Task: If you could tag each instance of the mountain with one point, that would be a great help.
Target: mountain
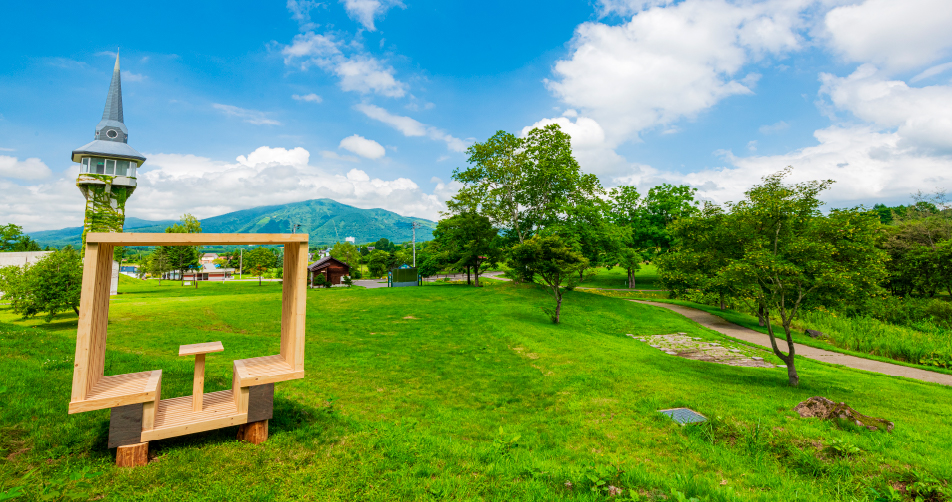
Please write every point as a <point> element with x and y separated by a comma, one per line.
<point>326,221</point>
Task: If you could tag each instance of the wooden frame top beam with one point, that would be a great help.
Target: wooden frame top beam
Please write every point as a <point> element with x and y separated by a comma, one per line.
<point>169,239</point>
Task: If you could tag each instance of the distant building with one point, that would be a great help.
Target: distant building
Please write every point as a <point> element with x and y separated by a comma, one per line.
<point>350,240</point>
<point>207,273</point>
<point>331,268</point>
<point>208,258</point>
<point>21,258</point>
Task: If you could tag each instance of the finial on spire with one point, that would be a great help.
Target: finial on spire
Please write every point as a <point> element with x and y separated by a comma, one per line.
<point>113,109</point>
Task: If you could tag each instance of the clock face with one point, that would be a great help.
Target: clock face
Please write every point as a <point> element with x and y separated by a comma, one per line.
<point>112,133</point>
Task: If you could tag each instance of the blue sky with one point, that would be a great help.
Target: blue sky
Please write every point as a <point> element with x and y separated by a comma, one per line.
<point>373,102</point>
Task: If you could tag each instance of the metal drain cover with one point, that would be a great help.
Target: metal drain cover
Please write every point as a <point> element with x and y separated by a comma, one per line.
<point>684,415</point>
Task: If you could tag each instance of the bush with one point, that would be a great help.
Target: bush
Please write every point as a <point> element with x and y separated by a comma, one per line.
<point>356,274</point>
<point>51,285</point>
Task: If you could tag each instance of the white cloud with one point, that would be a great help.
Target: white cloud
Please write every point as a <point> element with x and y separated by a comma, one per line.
<point>867,165</point>
<point>364,11</point>
<point>128,76</point>
<point>411,127</point>
<point>360,73</point>
<point>301,9</point>
<point>173,184</point>
<point>898,34</point>
<point>922,117</point>
<point>27,169</point>
<point>773,128</point>
<point>670,63</point>
<point>249,116</point>
<point>7,149</point>
<point>310,98</point>
<point>931,72</point>
<point>365,74</point>
<point>585,132</point>
<point>366,148</point>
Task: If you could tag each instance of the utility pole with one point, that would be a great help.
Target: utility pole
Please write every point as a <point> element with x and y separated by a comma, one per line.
<point>241,261</point>
<point>415,225</point>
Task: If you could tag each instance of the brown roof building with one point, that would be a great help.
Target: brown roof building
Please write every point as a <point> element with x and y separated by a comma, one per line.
<point>332,269</point>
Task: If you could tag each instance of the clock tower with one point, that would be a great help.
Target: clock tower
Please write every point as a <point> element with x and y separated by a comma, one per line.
<point>107,173</point>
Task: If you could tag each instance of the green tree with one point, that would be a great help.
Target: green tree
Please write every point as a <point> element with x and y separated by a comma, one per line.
<point>704,246</point>
<point>13,239</point>
<point>469,240</point>
<point>51,285</point>
<point>378,262</point>
<point>590,225</point>
<point>158,263</point>
<point>791,252</point>
<point>259,260</point>
<point>523,185</point>
<point>183,258</point>
<point>347,253</point>
<point>554,261</point>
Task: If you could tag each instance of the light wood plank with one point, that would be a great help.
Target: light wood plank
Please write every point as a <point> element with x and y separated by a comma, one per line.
<point>133,455</point>
<point>200,348</point>
<point>84,328</point>
<point>198,383</point>
<point>181,430</point>
<point>163,239</point>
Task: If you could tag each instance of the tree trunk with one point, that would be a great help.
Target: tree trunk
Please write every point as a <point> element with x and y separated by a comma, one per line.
<point>631,278</point>
<point>558,308</point>
<point>788,358</point>
<point>476,273</point>
<point>760,314</point>
<point>722,300</point>
<point>468,282</point>
<point>259,280</point>
<point>76,309</point>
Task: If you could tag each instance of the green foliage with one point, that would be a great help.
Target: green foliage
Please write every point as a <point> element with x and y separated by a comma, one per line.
<point>259,260</point>
<point>523,184</point>
<point>49,286</point>
<point>465,241</point>
<point>347,253</point>
<point>13,239</point>
<point>105,206</point>
<point>401,409</point>
<point>378,262</point>
<point>347,281</point>
<point>776,246</point>
<point>554,261</point>
<point>320,280</point>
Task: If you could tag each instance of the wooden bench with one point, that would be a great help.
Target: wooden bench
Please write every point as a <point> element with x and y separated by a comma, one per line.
<point>120,390</point>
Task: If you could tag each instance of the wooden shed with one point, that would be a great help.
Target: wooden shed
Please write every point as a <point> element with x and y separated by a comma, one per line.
<point>332,269</point>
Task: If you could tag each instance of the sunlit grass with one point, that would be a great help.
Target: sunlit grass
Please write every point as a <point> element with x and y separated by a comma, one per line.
<point>457,393</point>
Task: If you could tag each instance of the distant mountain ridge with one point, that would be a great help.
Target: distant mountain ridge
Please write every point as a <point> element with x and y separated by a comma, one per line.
<point>326,221</point>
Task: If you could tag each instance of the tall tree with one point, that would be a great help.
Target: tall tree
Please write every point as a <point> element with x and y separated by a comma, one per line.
<point>523,184</point>
<point>554,261</point>
<point>468,239</point>
<point>792,252</point>
<point>183,258</point>
<point>12,238</point>
<point>259,260</point>
<point>347,253</point>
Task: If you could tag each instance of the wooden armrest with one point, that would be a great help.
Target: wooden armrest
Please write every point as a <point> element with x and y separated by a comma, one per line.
<point>120,390</point>
<point>264,370</point>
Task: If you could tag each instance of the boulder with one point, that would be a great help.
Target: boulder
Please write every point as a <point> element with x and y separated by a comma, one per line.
<point>823,408</point>
<point>812,333</point>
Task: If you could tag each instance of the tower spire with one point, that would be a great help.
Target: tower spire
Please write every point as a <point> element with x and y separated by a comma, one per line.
<point>113,109</point>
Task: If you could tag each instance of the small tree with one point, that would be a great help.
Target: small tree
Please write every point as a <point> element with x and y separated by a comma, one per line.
<point>470,240</point>
<point>51,285</point>
<point>346,280</point>
<point>259,260</point>
<point>554,261</point>
<point>12,238</point>
<point>159,263</point>
<point>791,252</point>
<point>378,262</point>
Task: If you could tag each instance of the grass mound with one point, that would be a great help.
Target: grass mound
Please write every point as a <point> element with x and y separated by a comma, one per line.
<point>459,393</point>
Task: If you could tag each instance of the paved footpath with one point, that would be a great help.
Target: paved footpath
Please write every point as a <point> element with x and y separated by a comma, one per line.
<point>748,335</point>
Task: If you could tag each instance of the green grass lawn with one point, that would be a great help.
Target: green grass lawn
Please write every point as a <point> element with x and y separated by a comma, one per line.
<point>617,277</point>
<point>457,393</point>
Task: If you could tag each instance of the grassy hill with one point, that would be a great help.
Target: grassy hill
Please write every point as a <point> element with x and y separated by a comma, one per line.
<point>460,393</point>
<point>325,220</point>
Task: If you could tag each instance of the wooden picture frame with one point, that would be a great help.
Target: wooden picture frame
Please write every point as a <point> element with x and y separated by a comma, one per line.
<point>139,412</point>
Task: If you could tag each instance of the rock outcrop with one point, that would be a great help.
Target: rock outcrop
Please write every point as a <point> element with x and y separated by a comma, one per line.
<point>823,408</point>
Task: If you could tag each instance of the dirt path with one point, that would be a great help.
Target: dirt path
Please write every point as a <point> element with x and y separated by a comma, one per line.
<point>748,335</point>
